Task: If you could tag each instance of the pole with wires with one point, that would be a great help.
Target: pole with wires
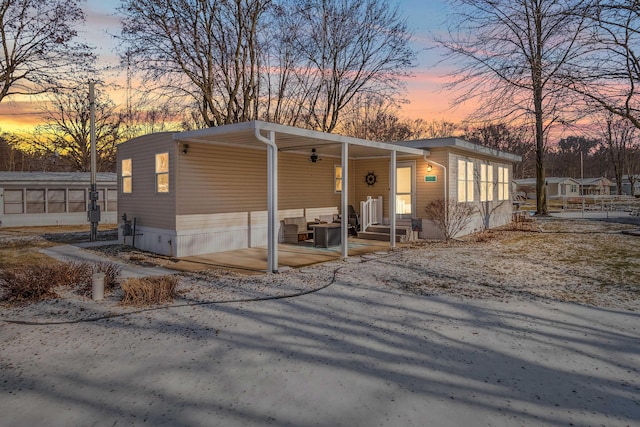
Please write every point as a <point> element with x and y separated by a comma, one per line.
<point>93,213</point>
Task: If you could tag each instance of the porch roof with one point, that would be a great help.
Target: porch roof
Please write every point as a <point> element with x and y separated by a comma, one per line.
<point>293,139</point>
<point>461,144</point>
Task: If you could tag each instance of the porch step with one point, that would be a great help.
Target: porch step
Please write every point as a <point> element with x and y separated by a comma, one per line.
<point>368,235</point>
<point>383,233</point>
<point>387,230</point>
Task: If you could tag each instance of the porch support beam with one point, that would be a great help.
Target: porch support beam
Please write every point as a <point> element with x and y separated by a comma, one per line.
<point>344,223</point>
<point>272,199</point>
<point>392,199</point>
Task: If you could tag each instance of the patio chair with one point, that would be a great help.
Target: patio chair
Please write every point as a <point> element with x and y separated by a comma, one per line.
<point>296,230</point>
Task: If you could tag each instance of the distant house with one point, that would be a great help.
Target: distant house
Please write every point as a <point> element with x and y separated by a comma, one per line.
<point>626,186</point>
<point>556,187</point>
<point>229,187</point>
<point>54,198</point>
<point>596,186</point>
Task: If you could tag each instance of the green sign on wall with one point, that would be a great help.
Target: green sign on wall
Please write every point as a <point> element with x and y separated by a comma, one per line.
<point>430,178</point>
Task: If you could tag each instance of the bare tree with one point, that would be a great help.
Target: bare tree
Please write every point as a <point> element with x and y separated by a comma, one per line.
<point>202,50</point>
<point>286,83</point>
<point>349,47</point>
<point>633,166</point>
<point>375,118</point>
<point>67,131</point>
<point>618,139</point>
<point>609,76</point>
<point>511,139</point>
<point>436,128</point>
<point>512,54</point>
<point>9,151</point>
<point>39,49</point>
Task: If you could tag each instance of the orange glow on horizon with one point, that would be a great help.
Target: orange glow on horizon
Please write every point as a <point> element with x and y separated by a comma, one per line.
<point>426,100</point>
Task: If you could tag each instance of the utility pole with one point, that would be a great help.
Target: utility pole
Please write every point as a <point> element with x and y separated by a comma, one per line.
<point>582,181</point>
<point>93,215</point>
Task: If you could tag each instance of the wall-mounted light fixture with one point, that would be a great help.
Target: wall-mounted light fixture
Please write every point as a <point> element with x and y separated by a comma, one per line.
<point>429,167</point>
<point>185,148</point>
<point>314,156</point>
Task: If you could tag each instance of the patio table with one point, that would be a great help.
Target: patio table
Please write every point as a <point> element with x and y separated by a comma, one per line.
<point>325,235</point>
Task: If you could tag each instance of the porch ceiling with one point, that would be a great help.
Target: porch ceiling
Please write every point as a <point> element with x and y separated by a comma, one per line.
<point>293,139</point>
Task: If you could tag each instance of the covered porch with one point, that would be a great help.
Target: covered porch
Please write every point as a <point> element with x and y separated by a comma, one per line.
<point>255,260</point>
<point>277,141</point>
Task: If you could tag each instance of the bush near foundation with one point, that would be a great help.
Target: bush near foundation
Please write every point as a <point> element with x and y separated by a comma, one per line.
<point>149,290</point>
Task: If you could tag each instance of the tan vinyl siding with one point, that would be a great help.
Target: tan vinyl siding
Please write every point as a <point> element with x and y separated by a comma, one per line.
<point>306,184</point>
<point>381,188</point>
<point>144,203</point>
<point>429,191</point>
<point>221,179</point>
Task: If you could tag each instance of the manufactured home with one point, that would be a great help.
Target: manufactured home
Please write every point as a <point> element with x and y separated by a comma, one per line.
<point>232,187</point>
<point>54,198</point>
<point>557,187</point>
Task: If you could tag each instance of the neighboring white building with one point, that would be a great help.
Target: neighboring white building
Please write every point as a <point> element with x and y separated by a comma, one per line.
<point>556,187</point>
<point>54,198</point>
<point>626,186</point>
<point>596,186</point>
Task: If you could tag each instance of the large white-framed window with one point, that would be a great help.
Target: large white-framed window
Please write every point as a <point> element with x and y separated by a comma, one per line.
<point>162,172</point>
<point>465,181</point>
<point>486,183</point>
<point>127,176</point>
<point>503,183</point>
<point>337,179</point>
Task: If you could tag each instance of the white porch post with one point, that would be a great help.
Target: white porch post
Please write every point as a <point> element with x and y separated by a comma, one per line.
<point>392,199</point>
<point>272,199</point>
<point>344,227</point>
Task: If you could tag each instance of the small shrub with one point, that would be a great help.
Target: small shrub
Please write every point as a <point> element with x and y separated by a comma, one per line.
<point>28,284</point>
<point>69,274</point>
<point>450,216</point>
<point>149,290</point>
<point>483,236</point>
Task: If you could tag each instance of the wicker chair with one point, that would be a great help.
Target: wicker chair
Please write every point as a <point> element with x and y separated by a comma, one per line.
<point>296,230</point>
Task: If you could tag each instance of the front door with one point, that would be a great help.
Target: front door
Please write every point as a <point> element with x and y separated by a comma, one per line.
<point>405,190</point>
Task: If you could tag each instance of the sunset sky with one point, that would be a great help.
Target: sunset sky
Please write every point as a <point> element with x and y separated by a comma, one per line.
<point>427,100</point>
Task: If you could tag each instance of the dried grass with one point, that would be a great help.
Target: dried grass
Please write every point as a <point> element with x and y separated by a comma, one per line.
<point>28,284</point>
<point>149,290</point>
<point>33,283</point>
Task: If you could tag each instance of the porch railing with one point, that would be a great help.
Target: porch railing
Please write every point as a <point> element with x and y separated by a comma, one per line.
<point>370,212</point>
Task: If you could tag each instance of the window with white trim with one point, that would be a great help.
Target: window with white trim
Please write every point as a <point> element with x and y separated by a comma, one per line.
<point>503,183</point>
<point>465,181</point>
<point>162,173</point>
<point>13,202</point>
<point>56,200</point>
<point>127,176</point>
<point>486,183</point>
<point>35,200</point>
<point>337,175</point>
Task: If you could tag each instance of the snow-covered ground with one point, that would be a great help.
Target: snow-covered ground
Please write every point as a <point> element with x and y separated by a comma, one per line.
<point>509,328</point>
